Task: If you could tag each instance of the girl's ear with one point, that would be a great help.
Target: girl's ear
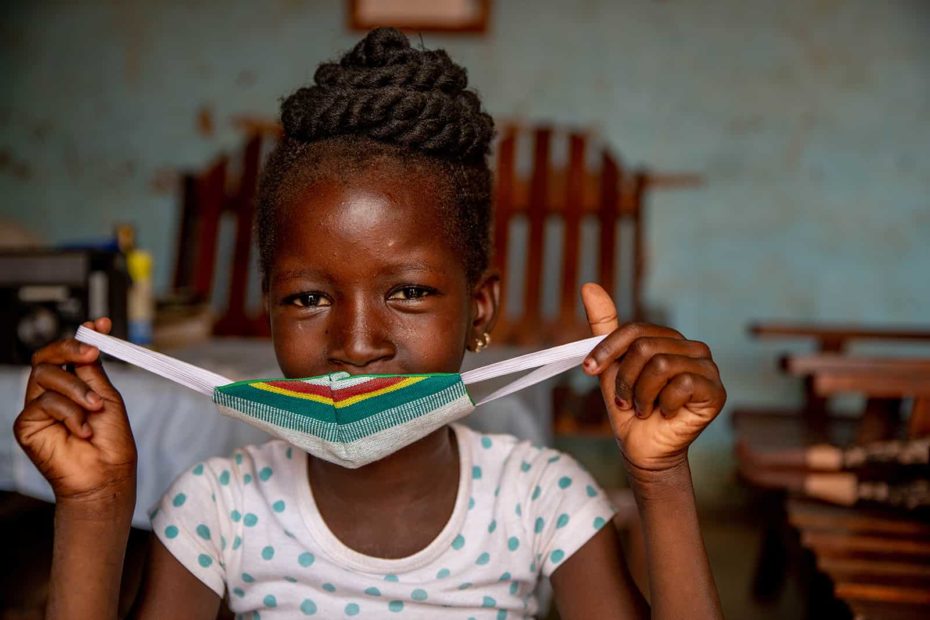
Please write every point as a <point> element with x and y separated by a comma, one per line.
<point>485,302</point>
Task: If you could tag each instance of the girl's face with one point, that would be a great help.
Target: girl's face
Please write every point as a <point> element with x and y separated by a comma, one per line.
<point>364,281</point>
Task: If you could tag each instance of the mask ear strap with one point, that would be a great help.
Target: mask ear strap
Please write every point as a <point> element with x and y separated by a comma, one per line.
<point>548,363</point>
<point>188,375</point>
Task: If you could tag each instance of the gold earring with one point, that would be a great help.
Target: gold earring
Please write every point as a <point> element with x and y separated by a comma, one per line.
<point>482,342</point>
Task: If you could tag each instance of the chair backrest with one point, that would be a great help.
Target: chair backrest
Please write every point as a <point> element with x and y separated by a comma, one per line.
<point>535,190</point>
<point>589,192</point>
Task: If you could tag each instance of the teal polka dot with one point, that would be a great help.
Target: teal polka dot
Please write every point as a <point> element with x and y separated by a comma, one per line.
<point>247,578</point>
<point>493,526</point>
<point>198,470</point>
<point>390,577</point>
<point>518,510</point>
<point>265,474</point>
<point>256,616</point>
<point>419,594</point>
<point>514,586</point>
<point>553,459</point>
<point>278,506</point>
<point>239,592</point>
<point>308,607</point>
<point>513,543</point>
<point>497,491</point>
<point>536,492</point>
<point>329,587</point>
<point>532,567</point>
<point>238,458</point>
<point>268,552</point>
<point>154,512</point>
<point>213,497</point>
<point>459,542</point>
<point>562,521</point>
<point>179,500</point>
<point>222,542</point>
<point>289,453</point>
<point>524,467</point>
<point>565,482</point>
<point>504,577</point>
<point>476,472</point>
<point>471,503</point>
<point>305,559</point>
<point>171,531</point>
<point>235,515</point>
<point>203,531</point>
<point>224,477</point>
<point>465,585</point>
<point>246,479</point>
<point>204,560</point>
<point>237,542</point>
<point>249,520</point>
<point>483,559</point>
<point>270,601</point>
<point>599,522</point>
<point>488,602</point>
<point>591,491</point>
<point>556,556</point>
<point>290,580</point>
<point>352,609</point>
<point>443,573</point>
<point>539,525</point>
<point>396,606</point>
<point>501,614</point>
<point>372,591</point>
<point>485,442</point>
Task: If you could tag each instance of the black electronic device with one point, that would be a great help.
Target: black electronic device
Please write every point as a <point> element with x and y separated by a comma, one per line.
<point>46,294</point>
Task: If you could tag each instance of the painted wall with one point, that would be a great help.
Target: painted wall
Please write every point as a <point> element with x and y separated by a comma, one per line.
<point>810,122</point>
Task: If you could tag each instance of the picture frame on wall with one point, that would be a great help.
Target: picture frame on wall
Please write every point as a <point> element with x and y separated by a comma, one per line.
<point>447,16</point>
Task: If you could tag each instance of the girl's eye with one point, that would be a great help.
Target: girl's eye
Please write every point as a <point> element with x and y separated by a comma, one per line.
<point>308,300</point>
<point>406,293</point>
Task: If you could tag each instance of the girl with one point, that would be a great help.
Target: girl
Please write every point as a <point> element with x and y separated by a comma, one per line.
<point>373,227</point>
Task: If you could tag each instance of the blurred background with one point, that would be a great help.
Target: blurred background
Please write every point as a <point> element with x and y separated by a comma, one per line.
<point>770,159</point>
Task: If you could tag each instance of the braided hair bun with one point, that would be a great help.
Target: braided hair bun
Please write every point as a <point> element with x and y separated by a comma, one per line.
<point>388,91</point>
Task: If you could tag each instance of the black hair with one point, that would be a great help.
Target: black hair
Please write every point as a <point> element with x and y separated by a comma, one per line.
<point>385,102</point>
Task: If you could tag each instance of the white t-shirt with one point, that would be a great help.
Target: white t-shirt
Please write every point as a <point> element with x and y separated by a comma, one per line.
<point>248,526</point>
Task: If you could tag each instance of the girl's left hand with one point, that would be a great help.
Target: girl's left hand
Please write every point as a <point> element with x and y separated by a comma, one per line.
<point>660,389</point>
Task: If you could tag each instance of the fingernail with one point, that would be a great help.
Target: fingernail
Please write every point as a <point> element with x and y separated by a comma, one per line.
<point>83,348</point>
<point>590,364</point>
<point>93,398</point>
<point>621,403</point>
<point>85,428</point>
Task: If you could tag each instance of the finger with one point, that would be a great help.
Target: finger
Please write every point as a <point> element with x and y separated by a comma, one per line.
<point>617,343</point>
<point>600,309</point>
<point>658,372</point>
<point>62,409</point>
<point>641,351</point>
<point>66,351</point>
<point>676,394</point>
<point>54,379</point>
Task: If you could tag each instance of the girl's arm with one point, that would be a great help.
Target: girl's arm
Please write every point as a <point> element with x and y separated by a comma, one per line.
<point>661,390</point>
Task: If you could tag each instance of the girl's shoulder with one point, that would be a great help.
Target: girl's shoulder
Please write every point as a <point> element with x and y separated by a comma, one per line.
<point>521,463</point>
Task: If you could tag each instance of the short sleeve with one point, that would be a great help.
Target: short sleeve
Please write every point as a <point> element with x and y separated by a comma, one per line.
<point>187,521</point>
<point>566,509</point>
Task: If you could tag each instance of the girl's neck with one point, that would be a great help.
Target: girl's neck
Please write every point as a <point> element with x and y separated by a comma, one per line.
<point>408,474</point>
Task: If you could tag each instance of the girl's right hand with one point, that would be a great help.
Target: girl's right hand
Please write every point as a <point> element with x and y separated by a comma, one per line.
<point>74,425</point>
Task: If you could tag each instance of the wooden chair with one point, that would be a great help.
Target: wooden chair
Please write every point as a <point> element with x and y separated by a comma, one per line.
<point>567,192</point>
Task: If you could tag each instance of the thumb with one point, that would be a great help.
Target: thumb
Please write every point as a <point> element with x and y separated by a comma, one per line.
<point>600,309</point>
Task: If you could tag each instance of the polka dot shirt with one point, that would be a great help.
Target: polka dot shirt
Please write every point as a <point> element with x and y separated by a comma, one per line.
<point>248,528</point>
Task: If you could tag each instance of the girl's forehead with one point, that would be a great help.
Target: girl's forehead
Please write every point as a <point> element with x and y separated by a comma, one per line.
<point>367,223</point>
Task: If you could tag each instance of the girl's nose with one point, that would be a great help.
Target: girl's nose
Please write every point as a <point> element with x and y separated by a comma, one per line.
<point>359,336</point>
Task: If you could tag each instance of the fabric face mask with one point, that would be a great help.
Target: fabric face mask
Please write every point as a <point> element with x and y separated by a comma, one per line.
<point>349,420</point>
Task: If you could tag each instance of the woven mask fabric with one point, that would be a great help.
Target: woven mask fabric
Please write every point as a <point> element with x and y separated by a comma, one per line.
<point>350,420</point>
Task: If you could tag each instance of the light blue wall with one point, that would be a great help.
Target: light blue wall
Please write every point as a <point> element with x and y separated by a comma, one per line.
<point>810,122</point>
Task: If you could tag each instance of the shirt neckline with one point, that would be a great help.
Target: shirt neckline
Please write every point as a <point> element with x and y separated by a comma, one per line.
<point>350,558</point>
